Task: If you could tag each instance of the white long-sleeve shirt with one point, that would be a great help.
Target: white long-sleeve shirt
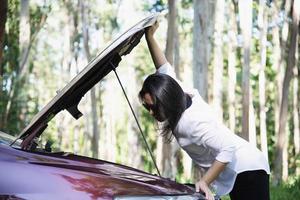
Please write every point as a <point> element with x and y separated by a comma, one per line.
<point>205,140</point>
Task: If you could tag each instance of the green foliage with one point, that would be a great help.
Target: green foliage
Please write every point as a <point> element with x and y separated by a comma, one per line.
<point>38,15</point>
<point>226,197</point>
<point>11,43</point>
<point>15,111</point>
<point>186,4</point>
<point>286,191</point>
<point>155,5</point>
<point>180,169</point>
<point>50,136</point>
<point>106,20</point>
<point>10,66</point>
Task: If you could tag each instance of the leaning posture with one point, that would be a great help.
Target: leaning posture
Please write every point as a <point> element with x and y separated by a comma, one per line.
<point>232,165</point>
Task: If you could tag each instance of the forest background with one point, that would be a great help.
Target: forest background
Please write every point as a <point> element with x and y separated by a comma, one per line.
<point>242,56</point>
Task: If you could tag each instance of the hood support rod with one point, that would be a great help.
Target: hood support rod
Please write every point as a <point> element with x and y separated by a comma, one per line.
<point>138,124</point>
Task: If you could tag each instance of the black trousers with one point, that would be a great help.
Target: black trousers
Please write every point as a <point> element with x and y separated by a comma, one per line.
<point>251,185</point>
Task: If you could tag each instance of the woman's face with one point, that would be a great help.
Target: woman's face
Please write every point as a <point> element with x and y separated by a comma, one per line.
<point>152,108</point>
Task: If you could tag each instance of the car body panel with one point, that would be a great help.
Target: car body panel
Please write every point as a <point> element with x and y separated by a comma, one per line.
<point>28,174</point>
<point>80,177</point>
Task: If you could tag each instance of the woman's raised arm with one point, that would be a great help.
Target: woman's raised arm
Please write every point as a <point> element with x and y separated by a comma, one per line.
<point>157,54</point>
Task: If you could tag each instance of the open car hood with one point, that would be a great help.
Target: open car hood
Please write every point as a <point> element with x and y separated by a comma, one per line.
<point>69,97</point>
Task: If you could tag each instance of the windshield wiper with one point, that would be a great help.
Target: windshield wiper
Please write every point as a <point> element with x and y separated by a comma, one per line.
<point>28,143</point>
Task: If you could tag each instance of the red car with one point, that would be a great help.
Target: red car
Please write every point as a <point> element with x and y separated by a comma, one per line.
<point>29,172</point>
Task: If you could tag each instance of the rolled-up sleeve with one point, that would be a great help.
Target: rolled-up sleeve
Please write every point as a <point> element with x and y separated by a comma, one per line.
<point>167,69</point>
<point>225,155</point>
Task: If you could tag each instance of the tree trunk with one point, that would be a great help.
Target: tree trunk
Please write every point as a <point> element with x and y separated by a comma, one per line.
<point>285,153</point>
<point>187,166</point>
<point>296,112</point>
<point>134,139</point>
<point>276,57</point>
<point>24,36</point>
<point>277,67</point>
<point>285,157</point>
<point>252,117</point>
<point>60,124</point>
<point>171,31</point>
<point>245,10</point>
<point>3,17</point>
<point>24,46</point>
<point>200,44</point>
<point>76,139</point>
<point>181,156</point>
<point>26,39</point>
<point>110,138</point>
<point>282,65</point>
<point>178,68</point>
<point>203,23</point>
<point>232,44</point>
<point>159,152</point>
<point>85,31</point>
<point>262,23</point>
<point>168,161</point>
<point>285,92</point>
<point>280,37</point>
<point>96,135</point>
<point>100,108</point>
<point>218,59</point>
<point>70,28</point>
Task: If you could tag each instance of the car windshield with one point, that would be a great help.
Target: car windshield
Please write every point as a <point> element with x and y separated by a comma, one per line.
<point>8,139</point>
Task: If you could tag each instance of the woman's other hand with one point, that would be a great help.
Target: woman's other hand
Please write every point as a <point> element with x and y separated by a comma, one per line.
<point>201,186</point>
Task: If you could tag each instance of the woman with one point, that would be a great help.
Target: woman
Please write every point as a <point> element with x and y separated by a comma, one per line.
<point>232,165</point>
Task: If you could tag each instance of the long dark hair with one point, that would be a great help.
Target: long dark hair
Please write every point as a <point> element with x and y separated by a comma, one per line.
<point>168,99</point>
